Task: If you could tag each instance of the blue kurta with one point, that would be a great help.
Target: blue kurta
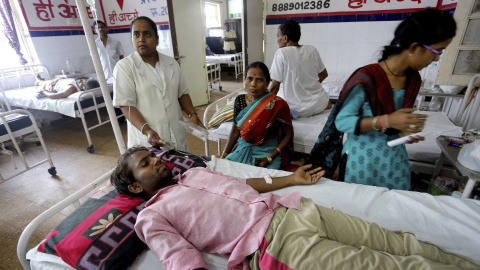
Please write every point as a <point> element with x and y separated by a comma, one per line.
<point>370,160</point>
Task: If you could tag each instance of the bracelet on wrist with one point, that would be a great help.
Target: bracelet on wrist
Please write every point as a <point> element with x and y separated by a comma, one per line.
<point>374,123</point>
<point>279,151</point>
<point>269,158</point>
<point>191,114</point>
<point>141,130</point>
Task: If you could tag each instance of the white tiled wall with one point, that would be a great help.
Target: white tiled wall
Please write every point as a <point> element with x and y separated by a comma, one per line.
<point>52,51</point>
<point>343,46</point>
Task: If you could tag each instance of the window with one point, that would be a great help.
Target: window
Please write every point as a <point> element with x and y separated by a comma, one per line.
<point>212,14</point>
<point>462,58</point>
<point>235,9</point>
<point>7,53</point>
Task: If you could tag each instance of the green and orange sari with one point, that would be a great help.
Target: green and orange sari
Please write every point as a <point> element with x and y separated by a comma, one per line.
<point>262,125</point>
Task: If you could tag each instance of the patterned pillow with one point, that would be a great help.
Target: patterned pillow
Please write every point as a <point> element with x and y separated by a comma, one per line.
<point>225,114</point>
<point>100,233</point>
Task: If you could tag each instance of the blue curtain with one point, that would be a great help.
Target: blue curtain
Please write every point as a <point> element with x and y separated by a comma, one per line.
<point>9,30</point>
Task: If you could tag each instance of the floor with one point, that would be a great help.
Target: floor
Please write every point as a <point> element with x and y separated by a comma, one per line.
<point>25,196</point>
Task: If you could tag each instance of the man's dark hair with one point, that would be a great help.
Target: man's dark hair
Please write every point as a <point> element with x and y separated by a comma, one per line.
<point>291,29</point>
<point>91,83</point>
<point>122,176</point>
<point>97,22</point>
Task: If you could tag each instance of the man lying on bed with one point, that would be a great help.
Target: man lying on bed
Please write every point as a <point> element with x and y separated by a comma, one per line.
<point>206,211</point>
<point>63,88</point>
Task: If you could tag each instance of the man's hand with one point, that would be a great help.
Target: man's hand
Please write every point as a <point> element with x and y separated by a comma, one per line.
<point>303,176</point>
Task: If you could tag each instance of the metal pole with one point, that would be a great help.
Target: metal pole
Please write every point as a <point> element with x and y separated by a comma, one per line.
<point>82,10</point>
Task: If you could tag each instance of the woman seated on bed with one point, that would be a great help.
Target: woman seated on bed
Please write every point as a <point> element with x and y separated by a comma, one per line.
<point>63,88</point>
<point>263,125</point>
<point>310,236</point>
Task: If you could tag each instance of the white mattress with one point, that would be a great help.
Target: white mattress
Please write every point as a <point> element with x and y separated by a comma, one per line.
<point>428,151</point>
<point>333,84</point>
<point>449,222</point>
<point>222,58</point>
<point>25,98</point>
<point>306,131</point>
<point>305,134</point>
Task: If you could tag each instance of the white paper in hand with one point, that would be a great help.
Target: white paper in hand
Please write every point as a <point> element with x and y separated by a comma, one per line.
<point>198,132</point>
<point>401,140</point>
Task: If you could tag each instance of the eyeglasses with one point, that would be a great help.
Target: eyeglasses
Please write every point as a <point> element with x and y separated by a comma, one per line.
<point>432,49</point>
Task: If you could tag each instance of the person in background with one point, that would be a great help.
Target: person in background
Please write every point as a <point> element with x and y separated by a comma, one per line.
<point>301,71</point>
<point>63,88</point>
<point>375,106</point>
<point>201,210</point>
<point>262,124</point>
<point>208,51</point>
<point>110,50</point>
<point>229,37</point>
<point>151,91</point>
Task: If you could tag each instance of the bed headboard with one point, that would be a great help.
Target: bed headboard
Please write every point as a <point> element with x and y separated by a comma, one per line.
<point>21,76</point>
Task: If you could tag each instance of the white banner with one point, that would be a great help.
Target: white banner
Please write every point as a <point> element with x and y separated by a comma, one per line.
<point>286,7</point>
<point>63,14</point>
<point>51,14</point>
<point>120,13</point>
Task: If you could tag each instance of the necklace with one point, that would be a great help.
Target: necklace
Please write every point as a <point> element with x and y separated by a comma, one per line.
<point>398,75</point>
<point>249,98</point>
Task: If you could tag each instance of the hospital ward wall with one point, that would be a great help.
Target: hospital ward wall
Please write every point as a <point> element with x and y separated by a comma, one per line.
<point>56,31</point>
<point>53,47</point>
<point>347,34</point>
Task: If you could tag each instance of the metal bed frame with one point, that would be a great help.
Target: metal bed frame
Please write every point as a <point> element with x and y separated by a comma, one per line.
<point>238,58</point>
<point>214,71</point>
<point>24,130</point>
<point>236,62</point>
<point>21,72</point>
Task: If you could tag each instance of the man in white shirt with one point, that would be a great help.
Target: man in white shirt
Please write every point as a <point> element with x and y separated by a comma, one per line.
<point>110,50</point>
<point>229,37</point>
<point>301,70</point>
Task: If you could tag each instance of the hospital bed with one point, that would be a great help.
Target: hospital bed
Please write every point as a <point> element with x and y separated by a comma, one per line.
<point>422,155</point>
<point>446,221</point>
<point>16,124</point>
<point>214,73</point>
<point>229,60</point>
<point>18,90</point>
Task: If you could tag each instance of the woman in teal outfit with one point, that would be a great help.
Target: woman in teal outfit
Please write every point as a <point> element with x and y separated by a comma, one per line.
<point>375,106</point>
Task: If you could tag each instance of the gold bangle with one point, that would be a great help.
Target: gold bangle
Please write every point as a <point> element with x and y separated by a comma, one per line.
<point>279,151</point>
<point>190,115</point>
<point>269,159</point>
<point>141,130</point>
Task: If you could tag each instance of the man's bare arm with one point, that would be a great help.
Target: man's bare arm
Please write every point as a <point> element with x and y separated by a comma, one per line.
<point>301,177</point>
<point>322,75</point>
<point>274,87</point>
